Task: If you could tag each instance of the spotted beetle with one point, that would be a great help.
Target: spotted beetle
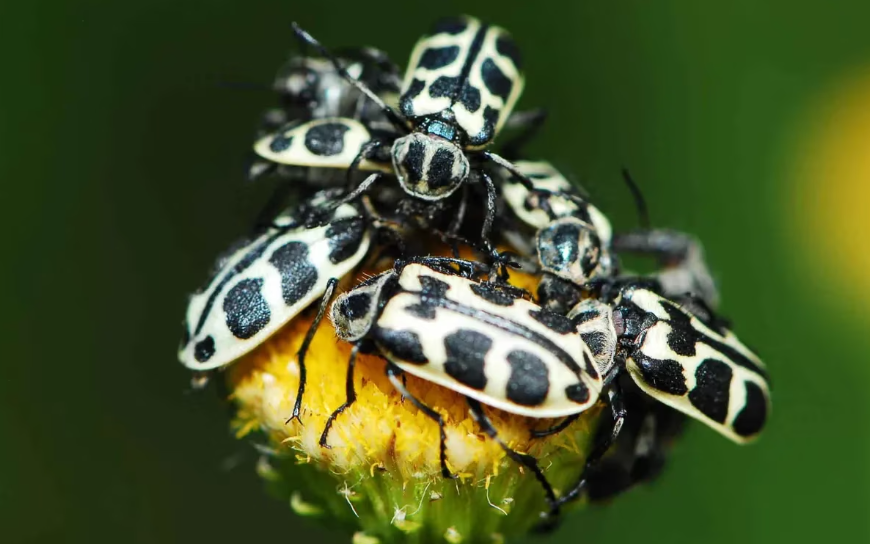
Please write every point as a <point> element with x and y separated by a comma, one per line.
<point>459,90</point>
<point>309,89</point>
<point>438,319</point>
<point>575,245</point>
<point>265,282</point>
<point>679,353</point>
<point>572,239</point>
<point>691,362</point>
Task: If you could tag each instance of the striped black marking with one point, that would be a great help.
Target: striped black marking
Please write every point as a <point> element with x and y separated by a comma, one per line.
<point>473,52</point>
<point>512,327</point>
<point>666,375</point>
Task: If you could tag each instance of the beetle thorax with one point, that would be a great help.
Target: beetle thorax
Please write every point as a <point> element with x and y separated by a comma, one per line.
<point>429,167</point>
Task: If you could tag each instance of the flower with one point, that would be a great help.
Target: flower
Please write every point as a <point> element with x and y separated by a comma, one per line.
<point>380,476</point>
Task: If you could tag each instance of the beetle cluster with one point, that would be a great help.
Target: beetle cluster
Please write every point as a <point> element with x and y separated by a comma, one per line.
<point>380,164</point>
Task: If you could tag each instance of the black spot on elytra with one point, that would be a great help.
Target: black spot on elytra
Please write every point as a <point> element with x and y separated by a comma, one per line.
<point>507,47</point>
<point>280,143</point>
<point>733,356</point>
<point>406,103</point>
<point>355,306</point>
<point>712,389</point>
<point>298,276</point>
<point>469,97</point>
<point>495,80</point>
<point>249,258</point>
<point>247,312</point>
<point>345,238</point>
<point>440,172</point>
<point>438,57</point>
<point>553,321</point>
<point>402,344</point>
<point>432,288</point>
<point>412,163</point>
<point>529,382</point>
<point>494,294</point>
<point>326,139</point>
<point>751,418</point>
<point>487,133</point>
<point>665,375</point>
<point>423,311</point>
<point>450,25</point>
<point>444,86</point>
<point>204,349</point>
<point>589,365</point>
<point>683,336</point>
<point>466,352</point>
<point>577,392</point>
<point>597,342</point>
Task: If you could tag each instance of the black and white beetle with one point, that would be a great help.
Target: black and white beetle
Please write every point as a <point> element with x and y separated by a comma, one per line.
<point>697,366</point>
<point>265,282</point>
<point>680,354</point>
<point>436,318</point>
<point>572,237</point>
<point>309,88</point>
<point>459,90</point>
<point>576,247</point>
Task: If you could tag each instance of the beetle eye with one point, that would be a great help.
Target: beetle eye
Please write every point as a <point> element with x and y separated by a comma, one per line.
<point>428,167</point>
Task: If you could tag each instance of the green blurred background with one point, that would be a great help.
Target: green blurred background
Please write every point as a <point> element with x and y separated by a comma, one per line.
<point>121,158</point>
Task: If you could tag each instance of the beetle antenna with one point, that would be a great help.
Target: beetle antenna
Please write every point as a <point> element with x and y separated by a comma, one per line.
<point>308,39</point>
<point>639,200</point>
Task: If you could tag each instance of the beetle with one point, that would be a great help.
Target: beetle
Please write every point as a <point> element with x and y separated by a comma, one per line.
<point>309,88</point>
<point>572,240</point>
<point>576,247</point>
<point>459,90</point>
<point>440,320</point>
<point>263,283</point>
<point>679,353</point>
<point>692,362</point>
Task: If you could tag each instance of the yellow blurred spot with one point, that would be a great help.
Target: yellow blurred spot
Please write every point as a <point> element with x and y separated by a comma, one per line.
<point>832,216</point>
<point>302,508</point>
<point>452,536</point>
<point>362,538</point>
